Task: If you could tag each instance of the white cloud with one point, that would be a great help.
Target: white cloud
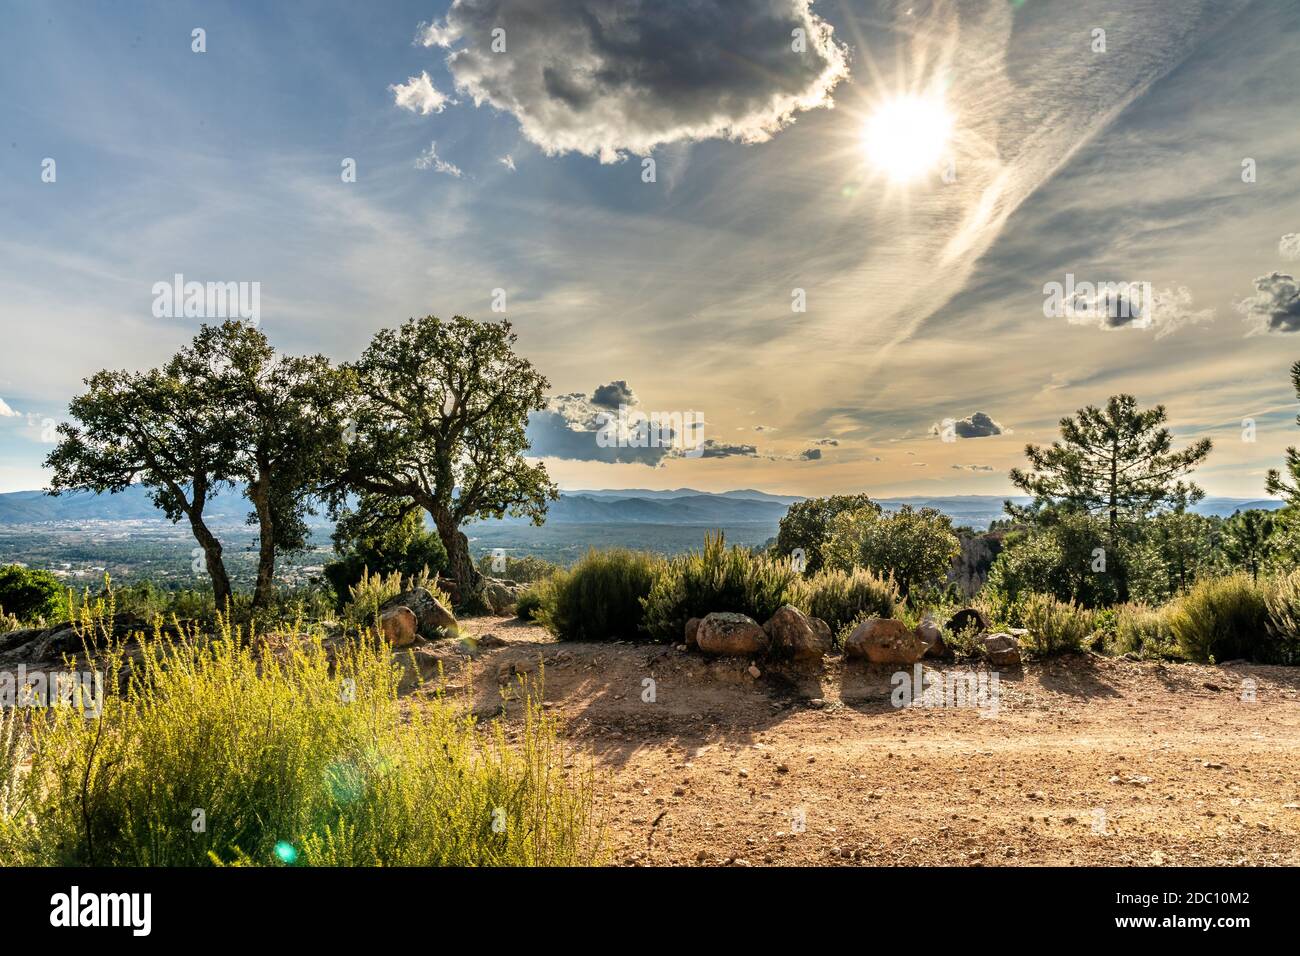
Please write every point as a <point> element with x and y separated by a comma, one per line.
<point>1288,246</point>
<point>6,411</point>
<point>508,162</point>
<point>418,95</point>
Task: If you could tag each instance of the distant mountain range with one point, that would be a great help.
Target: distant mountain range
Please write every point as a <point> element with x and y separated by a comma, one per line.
<point>682,506</point>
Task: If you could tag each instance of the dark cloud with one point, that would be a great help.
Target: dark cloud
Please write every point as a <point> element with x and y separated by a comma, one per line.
<point>834,442</point>
<point>613,395</point>
<point>1275,306</point>
<point>713,449</point>
<point>551,435</point>
<point>606,77</point>
<point>977,425</point>
<point>812,454</point>
<point>972,467</point>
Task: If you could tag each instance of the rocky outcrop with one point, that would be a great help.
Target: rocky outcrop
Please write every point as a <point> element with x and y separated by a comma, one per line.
<point>501,595</point>
<point>732,635</point>
<point>400,626</point>
<point>792,634</point>
<point>884,641</point>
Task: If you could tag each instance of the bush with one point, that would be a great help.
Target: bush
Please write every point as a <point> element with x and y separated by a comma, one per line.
<point>916,548</point>
<point>528,604</point>
<point>29,594</point>
<point>1055,626</point>
<point>1223,619</point>
<point>840,597</point>
<point>600,597</point>
<point>1143,631</point>
<point>1283,601</point>
<point>526,570</point>
<point>717,578</point>
<point>287,769</point>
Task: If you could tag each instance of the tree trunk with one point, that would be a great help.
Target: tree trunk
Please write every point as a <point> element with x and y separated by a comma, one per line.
<point>266,545</point>
<point>459,564</point>
<point>212,558</point>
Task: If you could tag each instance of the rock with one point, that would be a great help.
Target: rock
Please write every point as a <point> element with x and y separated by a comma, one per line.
<point>966,619</point>
<point>734,635</point>
<point>434,621</point>
<point>1003,650</point>
<point>883,640</point>
<point>63,639</point>
<point>754,672</point>
<point>930,635</point>
<point>501,595</point>
<point>401,629</point>
<point>793,634</point>
<point>692,626</point>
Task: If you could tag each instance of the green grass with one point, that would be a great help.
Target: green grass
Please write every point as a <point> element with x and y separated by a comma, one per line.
<point>304,756</point>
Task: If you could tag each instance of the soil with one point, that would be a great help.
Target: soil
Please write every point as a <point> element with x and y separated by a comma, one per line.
<point>1088,760</point>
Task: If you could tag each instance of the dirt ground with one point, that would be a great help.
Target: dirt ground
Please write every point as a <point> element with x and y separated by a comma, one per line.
<point>1087,760</point>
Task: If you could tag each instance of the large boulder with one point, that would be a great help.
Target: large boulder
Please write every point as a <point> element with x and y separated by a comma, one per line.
<point>793,634</point>
<point>932,637</point>
<point>1003,649</point>
<point>433,619</point>
<point>401,628</point>
<point>884,641</point>
<point>733,635</point>
<point>966,619</point>
<point>501,595</point>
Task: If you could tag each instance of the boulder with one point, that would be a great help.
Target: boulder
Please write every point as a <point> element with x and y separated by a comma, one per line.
<point>793,635</point>
<point>932,637</point>
<point>1003,650</point>
<point>733,635</point>
<point>884,641</point>
<point>692,626</point>
<point>433,620</point>
<point>501,595</point>
<point>966,619</point>
<point>401,629</point>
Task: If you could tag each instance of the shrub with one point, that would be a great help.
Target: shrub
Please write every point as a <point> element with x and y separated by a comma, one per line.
<point>839,597</point>
<point>1055,626</point>
<point>916,548</point>
<point>1283,601</point>
<point>30,594</point>
<point>528,604</point>
<point>717,578</point>
<point>1222,619</point>
<point>526,570</point>
<point>600,597</point>
<point>287,769</point>
<point>1143,631</point>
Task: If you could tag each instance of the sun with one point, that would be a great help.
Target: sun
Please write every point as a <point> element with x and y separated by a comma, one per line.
<point>905,137</point>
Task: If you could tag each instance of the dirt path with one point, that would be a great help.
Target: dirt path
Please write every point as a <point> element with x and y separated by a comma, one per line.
<point>1088,760</point>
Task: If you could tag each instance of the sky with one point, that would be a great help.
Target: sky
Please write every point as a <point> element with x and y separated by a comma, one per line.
<point>825,230</point>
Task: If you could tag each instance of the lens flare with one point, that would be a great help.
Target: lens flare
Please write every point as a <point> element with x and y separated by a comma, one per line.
<point>905,137</point>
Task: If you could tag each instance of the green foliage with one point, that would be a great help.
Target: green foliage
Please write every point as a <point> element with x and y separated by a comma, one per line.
<point>807,525</point>
<point>1223,618</point>
<point>525,570</point>
<point>1168,554</point>
<point>382,537</point>
<point>440,421</point>
<point>841,597</point>
<point>283,764</point>
<point>1057,557</point>
<point>1055,627</point>
<point>915,547</point>
<point>717,578</point>
<point>29,594</point>
<point>1116,462</point>
<point>368,595</point>
<point>599,598</point>
<point>1144,631</point>
<point>1283,600</point>
<point>1248,540</point>
<point>529,604</point>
